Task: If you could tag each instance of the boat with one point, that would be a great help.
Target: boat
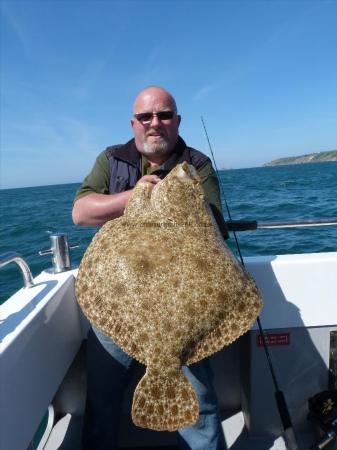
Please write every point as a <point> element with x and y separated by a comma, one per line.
<point>42,347</point>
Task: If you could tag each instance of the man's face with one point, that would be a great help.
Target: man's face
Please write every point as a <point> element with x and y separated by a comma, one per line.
<point>155,136</point>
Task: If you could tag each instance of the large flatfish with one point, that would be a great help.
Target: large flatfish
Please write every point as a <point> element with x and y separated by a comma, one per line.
<point>161,282</point>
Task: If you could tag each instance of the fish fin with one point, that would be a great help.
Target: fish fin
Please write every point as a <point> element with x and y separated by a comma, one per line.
<point>234,324</point>
<point>164,402</point>
<point>227,331</point>
<point>211,343</point>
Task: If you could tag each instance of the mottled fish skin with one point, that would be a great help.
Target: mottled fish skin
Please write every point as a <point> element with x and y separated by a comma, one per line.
<point>161,282</point>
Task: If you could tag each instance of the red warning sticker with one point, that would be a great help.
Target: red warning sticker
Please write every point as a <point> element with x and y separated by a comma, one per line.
<point>274,339</point>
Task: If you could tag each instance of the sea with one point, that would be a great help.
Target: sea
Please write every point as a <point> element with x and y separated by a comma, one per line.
<point>277,193</point>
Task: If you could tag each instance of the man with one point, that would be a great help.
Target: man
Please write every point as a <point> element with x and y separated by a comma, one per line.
<point>154,151</point>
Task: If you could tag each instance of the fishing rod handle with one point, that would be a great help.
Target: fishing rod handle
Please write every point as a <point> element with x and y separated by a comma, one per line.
<point>241,225</point>
<point>289,434</point>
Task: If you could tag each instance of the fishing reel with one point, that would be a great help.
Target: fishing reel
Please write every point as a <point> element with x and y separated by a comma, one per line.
<point>323,413</point>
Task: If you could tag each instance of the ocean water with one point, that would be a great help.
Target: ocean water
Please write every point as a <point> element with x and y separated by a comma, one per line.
<point>264,194</point>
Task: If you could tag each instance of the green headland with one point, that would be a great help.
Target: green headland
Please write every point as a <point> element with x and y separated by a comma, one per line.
<point>304,159</point>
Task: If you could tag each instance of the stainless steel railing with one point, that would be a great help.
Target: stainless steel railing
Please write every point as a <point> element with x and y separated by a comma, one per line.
<point>9,257</point>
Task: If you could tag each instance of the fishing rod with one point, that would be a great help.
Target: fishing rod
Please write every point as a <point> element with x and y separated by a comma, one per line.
<point>279,396</point>
<point>249,225</point>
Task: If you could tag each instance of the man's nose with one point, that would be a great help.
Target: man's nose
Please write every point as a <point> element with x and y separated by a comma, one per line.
<point>155,121</point>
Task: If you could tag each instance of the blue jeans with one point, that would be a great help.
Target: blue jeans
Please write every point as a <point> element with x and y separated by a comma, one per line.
<point>108,372</point>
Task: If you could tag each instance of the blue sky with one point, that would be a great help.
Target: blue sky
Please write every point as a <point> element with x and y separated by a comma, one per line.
<point>263,74</point>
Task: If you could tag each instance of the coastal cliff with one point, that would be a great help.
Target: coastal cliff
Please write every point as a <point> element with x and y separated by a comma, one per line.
<point>304,159</point>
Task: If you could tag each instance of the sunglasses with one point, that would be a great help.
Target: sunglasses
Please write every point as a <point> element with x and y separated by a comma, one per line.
<point>147,117</point>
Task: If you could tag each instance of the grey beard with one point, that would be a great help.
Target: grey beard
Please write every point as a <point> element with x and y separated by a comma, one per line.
<point>156,148</point>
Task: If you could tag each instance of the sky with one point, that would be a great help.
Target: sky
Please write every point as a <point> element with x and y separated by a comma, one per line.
<point>262,74</point>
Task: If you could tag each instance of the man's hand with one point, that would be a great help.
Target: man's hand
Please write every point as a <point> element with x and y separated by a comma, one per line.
<point>153,179</point>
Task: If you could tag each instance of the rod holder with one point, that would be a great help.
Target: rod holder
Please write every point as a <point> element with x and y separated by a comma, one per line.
<point>59,251</point>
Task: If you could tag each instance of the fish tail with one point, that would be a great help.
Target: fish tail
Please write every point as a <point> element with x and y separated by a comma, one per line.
<point>164,402</point>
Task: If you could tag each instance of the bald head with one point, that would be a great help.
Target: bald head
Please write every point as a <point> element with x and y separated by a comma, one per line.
<point>152,95</point>
<point>156,137</point>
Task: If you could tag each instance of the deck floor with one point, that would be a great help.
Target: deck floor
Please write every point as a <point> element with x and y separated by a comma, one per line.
<point>66,436</point>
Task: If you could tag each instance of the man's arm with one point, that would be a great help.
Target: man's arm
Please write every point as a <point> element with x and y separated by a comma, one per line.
<point>95,209</point>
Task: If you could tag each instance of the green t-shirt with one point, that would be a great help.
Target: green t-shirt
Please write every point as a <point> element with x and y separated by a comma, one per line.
<point>98,182</point>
